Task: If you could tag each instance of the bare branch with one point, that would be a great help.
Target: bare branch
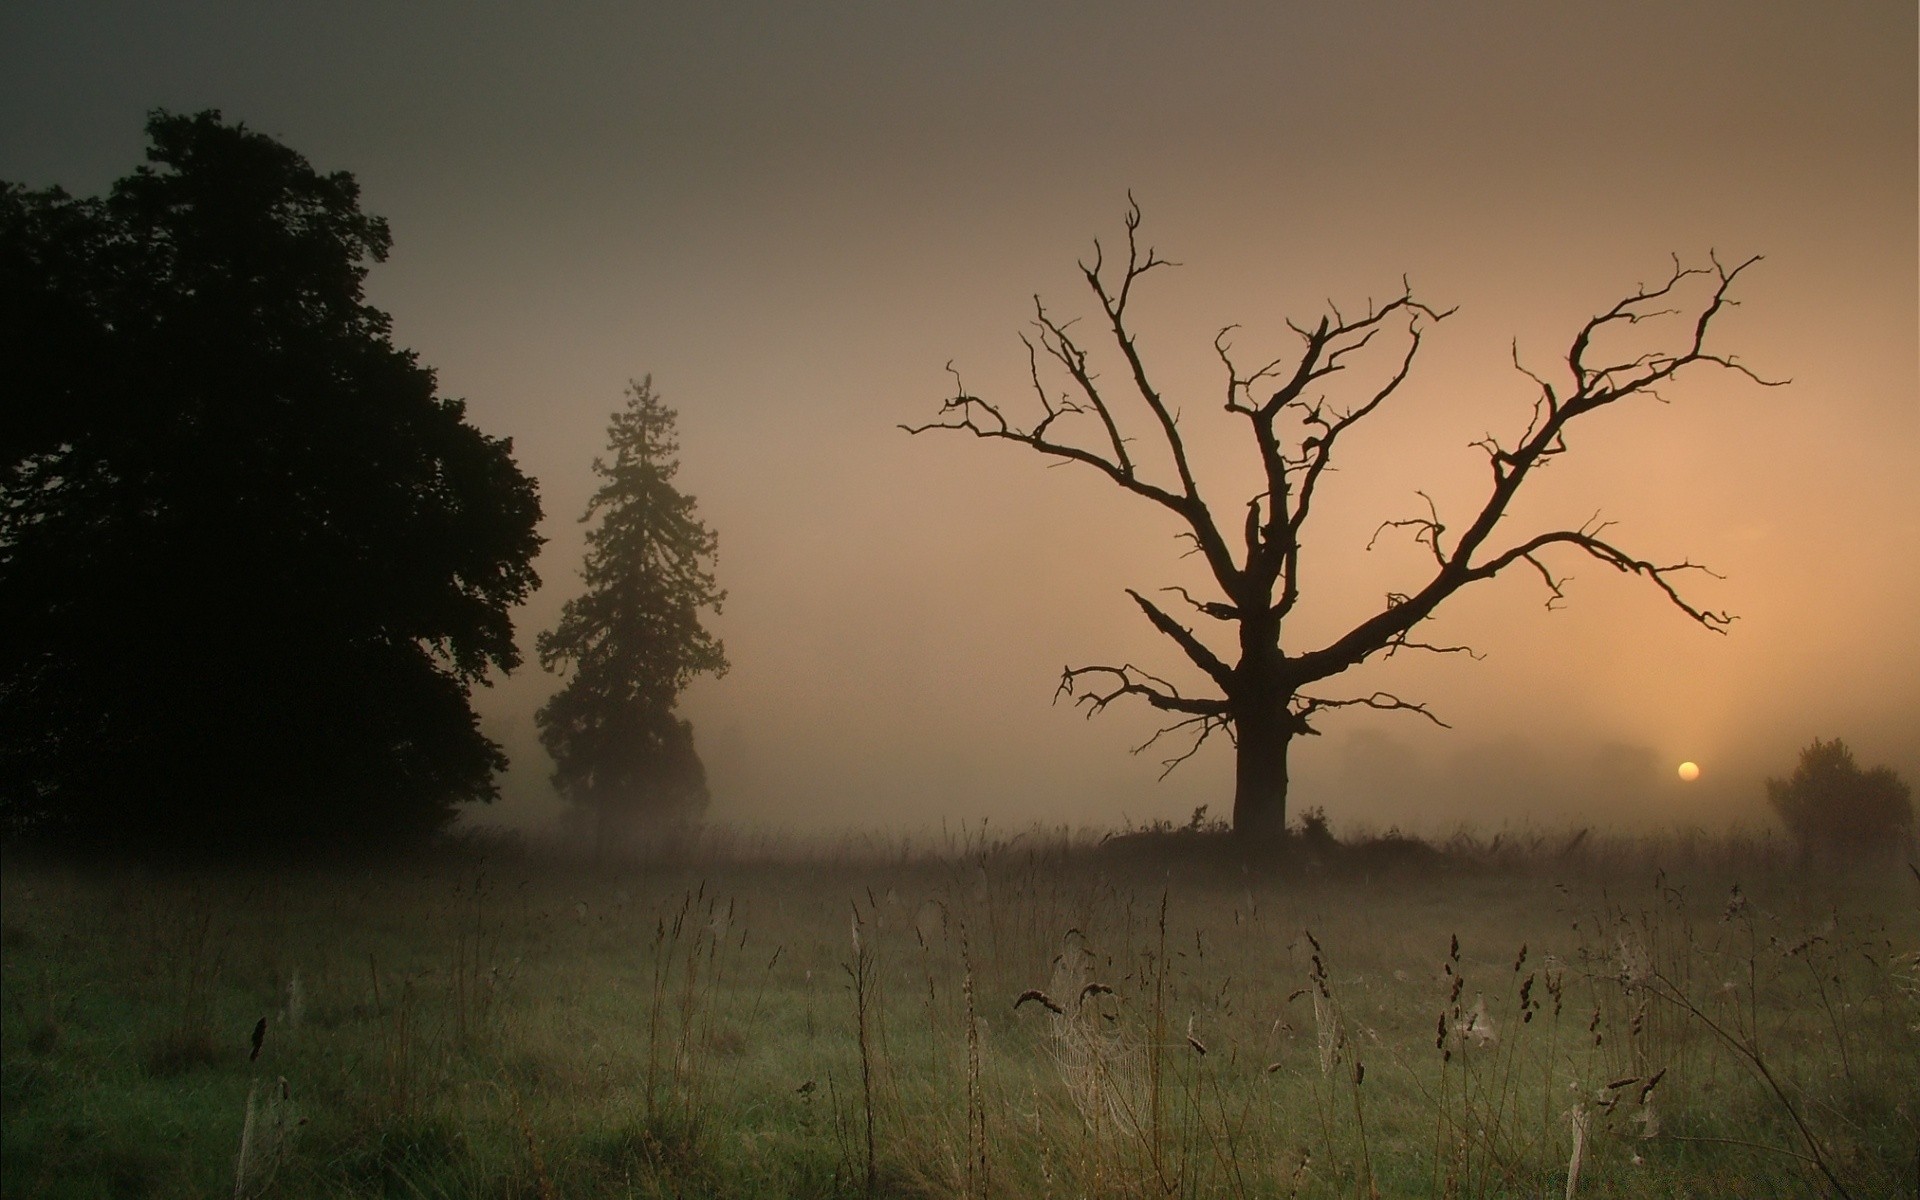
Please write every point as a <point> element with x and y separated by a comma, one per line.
<point>1206,725</point>
<point>1129,680</point>
<point>985,420</point>
<point>1402,642</point>
<point>1136,266</point>
<point>1327,345</point>
<point>1548,397</point>
<point>1597,386</point>
<point>1195,649</point>
<point>1114,303</point>
<point>1586,539</point>
<point>971,414</point>
<point>1545,438</point>
<point>1239,386</point>
<point>1058,343</point>
<point>1321,447</point>
<point>1212,608</point>
<point>1203,715</point>
<point>1426,530</point>
<point>1307,706</point>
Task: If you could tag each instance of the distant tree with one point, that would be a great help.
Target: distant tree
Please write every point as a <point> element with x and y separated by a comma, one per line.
<point>1263,694</point>
<point>251,562</point>
<point>634,640</point>
<point>1831,806</point>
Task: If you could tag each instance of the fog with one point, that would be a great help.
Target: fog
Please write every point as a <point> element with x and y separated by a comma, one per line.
<point>793,217</point>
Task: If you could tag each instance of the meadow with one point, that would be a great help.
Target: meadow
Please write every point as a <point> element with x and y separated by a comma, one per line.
<point>1028,1016</point>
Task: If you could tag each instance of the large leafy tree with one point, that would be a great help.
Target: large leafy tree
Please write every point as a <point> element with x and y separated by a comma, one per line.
<point>1263,687</point>
<point>251,561</point>
<point>634,639</point>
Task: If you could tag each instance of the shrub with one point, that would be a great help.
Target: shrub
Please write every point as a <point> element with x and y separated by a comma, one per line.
<point>1829,804</point>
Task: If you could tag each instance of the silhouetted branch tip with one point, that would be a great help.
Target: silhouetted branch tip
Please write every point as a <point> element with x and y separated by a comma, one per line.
<point>1306,706</point>
<point>1206,723</point>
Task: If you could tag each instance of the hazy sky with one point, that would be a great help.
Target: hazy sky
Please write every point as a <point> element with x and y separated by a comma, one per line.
<point>793,215</point>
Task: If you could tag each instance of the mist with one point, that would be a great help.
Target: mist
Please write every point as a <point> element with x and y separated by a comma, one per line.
<point>795,219</point>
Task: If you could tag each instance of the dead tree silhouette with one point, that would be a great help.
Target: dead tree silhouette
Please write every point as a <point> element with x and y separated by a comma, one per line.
<point>1264,694</point>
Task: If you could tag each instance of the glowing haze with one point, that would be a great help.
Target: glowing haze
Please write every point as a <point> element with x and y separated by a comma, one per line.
<point>794,215</point>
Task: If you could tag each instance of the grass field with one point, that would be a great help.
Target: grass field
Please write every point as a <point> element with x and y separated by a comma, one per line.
<point>1027,1018</point>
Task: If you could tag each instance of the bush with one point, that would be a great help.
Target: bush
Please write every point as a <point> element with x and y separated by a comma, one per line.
<point>1831,805</point>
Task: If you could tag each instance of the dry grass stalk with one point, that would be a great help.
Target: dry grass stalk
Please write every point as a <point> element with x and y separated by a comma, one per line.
<point>979,1175</point>
<point>862,971</point>
<point>542,1182</point>
<point>1580,1119</point>
<point>296,1002</point>
<point>265,1137</point>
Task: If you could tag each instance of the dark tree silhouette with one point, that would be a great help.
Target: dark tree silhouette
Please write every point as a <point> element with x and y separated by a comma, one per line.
<point>634,638</point>
<point>1264,692</point>
<point>251,562</point>
<point>1830,806</point>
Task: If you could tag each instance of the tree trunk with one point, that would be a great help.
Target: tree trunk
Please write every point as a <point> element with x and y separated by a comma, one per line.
<point>1260,772</point>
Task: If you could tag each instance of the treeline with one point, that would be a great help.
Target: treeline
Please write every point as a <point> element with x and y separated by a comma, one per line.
<point>252,560</point>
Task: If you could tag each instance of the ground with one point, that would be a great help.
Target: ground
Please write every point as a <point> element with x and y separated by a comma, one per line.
<point>1685,1017</point>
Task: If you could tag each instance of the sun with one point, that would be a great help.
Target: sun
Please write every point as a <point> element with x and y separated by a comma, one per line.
<point>1689,771</point>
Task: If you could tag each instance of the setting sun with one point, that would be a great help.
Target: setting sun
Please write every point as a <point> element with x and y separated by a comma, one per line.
<point>1689,771</point>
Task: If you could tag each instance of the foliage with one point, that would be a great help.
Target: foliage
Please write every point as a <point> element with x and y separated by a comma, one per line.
<point>251,562</point>
<point>1830,805</point>
<point>634,638</point>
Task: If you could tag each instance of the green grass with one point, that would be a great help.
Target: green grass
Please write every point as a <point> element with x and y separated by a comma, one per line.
<point>525,1028</point>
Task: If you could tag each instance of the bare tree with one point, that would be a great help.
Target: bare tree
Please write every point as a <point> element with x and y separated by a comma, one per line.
<point>1266,695</point>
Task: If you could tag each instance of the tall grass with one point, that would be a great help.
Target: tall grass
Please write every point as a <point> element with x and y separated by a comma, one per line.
<point>1010,1017</point>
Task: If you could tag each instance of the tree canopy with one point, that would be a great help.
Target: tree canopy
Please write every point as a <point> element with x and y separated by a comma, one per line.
<point>634,640</point>
<point>251,561</point>
<point>1830,805</point>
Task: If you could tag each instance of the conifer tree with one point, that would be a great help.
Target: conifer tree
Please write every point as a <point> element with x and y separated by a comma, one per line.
<point>634,639</point>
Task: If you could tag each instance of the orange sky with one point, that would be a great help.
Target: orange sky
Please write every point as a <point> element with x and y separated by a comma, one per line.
<point>794,215</point>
